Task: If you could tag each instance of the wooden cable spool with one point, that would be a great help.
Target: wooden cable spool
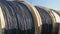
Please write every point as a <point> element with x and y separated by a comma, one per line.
<point>47,20</point>
<point>18,18</point>
<point>58,21</point>
<point>36,16</point>
<point>53,16</point>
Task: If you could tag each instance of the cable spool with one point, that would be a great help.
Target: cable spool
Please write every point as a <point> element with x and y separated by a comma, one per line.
<point>34,13</point>
<point>9,30</point>
<point>19,18</point>
<point>56,21</point>
<point>47,20</point>
<point>56,13</point>
<point>53,16</point>
<point>36,16</point>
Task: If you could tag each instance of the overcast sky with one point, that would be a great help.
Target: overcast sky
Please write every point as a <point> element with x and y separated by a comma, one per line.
<point>54,4</point>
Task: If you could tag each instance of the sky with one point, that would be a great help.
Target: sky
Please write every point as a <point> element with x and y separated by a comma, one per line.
<point>53,4</point>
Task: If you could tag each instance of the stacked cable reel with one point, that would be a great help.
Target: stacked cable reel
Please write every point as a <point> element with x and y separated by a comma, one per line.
<point>58,21</point>
<point>49,20</point>
<point>18,18</point>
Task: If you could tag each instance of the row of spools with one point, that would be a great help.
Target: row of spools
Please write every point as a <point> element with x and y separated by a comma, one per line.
<point>20,17</point>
